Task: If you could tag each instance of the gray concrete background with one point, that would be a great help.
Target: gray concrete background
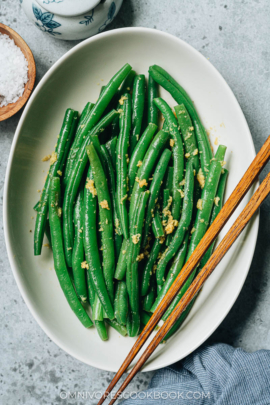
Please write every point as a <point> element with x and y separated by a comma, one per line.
<point>235,36</point>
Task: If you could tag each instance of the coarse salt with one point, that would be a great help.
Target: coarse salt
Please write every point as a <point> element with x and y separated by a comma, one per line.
<point>13,71</point>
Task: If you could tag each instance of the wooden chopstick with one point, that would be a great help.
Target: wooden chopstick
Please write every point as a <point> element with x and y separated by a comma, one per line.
<point>197,284</point>
<point>234,200</point>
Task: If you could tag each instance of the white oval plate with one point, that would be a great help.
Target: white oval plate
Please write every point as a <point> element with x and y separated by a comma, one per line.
<point>75,79</point>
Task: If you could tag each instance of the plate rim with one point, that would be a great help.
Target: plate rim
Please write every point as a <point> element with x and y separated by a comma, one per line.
<point>15,270</point>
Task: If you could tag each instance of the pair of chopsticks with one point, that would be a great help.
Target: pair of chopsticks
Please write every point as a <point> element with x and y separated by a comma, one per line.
<point>234,200</point>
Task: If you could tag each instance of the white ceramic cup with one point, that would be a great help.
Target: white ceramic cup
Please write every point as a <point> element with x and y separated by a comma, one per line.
<point>48,18</point>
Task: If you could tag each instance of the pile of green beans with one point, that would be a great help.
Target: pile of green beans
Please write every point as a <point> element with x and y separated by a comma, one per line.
<point>131,190</point>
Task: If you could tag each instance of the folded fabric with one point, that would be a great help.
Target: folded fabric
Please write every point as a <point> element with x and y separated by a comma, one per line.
<point>217,374</point>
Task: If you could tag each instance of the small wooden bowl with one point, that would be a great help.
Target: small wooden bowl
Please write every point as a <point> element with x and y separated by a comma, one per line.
<point>11,109</point>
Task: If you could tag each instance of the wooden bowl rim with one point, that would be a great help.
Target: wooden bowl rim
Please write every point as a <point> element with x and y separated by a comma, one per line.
<point>31,77</point>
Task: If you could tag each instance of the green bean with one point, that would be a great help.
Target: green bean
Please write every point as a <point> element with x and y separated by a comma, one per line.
<point>168,182</point>
<point>92,118</point>
<point>121,303</point>
<point>149,266</point>
<point>73,186</point>
<point>59,257</point>
<point>122,261</point>
<point>48,232</point>
<point>78,251</point>
<point>167,197</point>
<point>69,142</point>
<point>36,206</point>
<point>91,246</point>
<point>178,155</point>
<point>139,153</point>
<point>157,226</point>
<point>145,111</point>
<point>72,130</point>
<point>112,187</point>
<point>75,145</point>
<point>166,205</point>
<point>105,97</point>
<point>91,290</point>
<point>181,97</point>
<point>118,240</point>
<point>205,206</point>
<point>101,329</point>
<point>106,223</point>
<point>215,212</point>
<point>127,84</point>
<point>152,108</point>
<point>179,322</point>
<point>145,317</point>
<point>111,147</point>
<point>97,310</point>
<point>47,226</point>
<point>146,168</point>
<point>154,191</point>
<point>95,141</point>
<point>207,199</point>
<point>119,328</point>
<point>88,107</point>
<point>159,287</point>
<point>183,225</point>
<point>121,163</point>
<point>188,135</point>
<point>112,104</point>
<point>149,298</point>
<point>165,126</point>
<point>138,96</point>
<point>191,149</point>
<point>132,277</point>
<point>56,162</point>
<point>173,272</point>
<point>126,87</point>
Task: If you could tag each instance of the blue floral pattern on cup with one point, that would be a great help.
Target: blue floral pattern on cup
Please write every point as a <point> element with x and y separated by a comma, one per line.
<point>110,16</point>
<point>52,1</point>
<point>88,18</point>
<point>45,21</point>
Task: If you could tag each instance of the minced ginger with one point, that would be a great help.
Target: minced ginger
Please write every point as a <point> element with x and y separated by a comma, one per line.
<point>122,99</point>
<point>46,158</point>
<point>140,257</point>
<point>181,193</point>
<point>166,210</point>
<point>90,185</point>
<point>142,182</point>
<point>84,265</point>
<point>199,204</point>
<point>216,201</point>
<point>182,183</point>
<point>171,224</point>
<point>201,178</point>
<point>53,158</point>
<point>104,204</point>
<point>136,238</point>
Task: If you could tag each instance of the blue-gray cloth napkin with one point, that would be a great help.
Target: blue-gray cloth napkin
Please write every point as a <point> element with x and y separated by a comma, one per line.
<point>217,374</point>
